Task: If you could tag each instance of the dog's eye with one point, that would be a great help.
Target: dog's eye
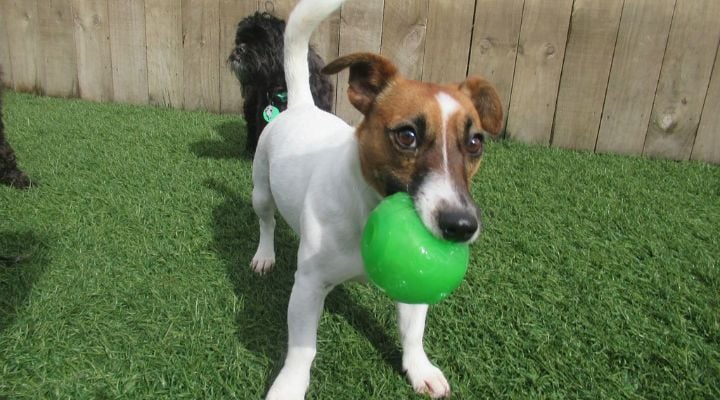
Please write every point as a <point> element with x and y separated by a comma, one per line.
<point>475,144</point>
<point>406,138</point>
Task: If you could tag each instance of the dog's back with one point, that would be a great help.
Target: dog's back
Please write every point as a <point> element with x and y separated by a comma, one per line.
<point>300,149</point>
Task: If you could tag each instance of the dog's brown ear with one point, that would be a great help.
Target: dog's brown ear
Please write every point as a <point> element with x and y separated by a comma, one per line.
<point>486,101</point>
<point>369,75</point>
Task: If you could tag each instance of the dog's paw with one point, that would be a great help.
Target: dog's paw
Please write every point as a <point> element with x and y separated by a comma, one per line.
<point>426,378</point>
<point>262,265</point>
<point>288,386</point>
<point>17,179</point>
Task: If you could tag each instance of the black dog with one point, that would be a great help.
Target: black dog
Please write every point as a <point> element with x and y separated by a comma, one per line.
<point>10,174</point>
<point>257,61</point>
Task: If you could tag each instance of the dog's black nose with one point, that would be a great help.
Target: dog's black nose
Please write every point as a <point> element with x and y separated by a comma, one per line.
<point>457,226</point>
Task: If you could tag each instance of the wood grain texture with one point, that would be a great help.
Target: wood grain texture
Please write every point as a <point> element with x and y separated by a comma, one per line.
<point>92,44</point>
<point>360,31</point>
<point>6,75</point>
<point>707,142</point>
<point>537,73</point>
<point>495,44</point>
<point>128,51</point>
<point>58,62</point>
<point>684,79</point>
<point>201,58</point>
<point>21,19</point>
<point>641,42</point>
<point>163,29</point>
<point>231,13</point>
<point>588,58</point>
<point>447,43</point>
<point>403,39</point>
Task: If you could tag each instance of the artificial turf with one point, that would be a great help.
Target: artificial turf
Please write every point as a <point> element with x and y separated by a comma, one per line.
<point>124,273</point>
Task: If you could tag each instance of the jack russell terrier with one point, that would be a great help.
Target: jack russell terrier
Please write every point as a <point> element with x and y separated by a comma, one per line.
<point>325,177</point>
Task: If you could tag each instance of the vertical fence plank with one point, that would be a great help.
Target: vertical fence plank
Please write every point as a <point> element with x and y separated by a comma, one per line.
<point>6,78</point>
<point>128,51</point>
<point>495,44</point>
<point>231,12</point>
<point>541,51</point>
<point>92,44</point>
<point>58,63</point>
<point>642,37</point>
<point>588,58</point>
<point>403,39</point>
<point>684,79</point>
<point>707,143</point>
<point>449,31</point>
<point>21,19</point>
<point>361,31</point>
<point>163,30</point>
<point>201,61</point>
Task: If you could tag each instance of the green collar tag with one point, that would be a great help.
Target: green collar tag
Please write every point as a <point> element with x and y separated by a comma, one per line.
<point>270,112</point>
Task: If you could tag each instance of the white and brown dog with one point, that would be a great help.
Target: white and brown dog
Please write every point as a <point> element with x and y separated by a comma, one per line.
<point>325,177</point>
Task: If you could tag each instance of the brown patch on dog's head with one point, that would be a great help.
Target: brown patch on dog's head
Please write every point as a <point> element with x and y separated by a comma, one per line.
<point>418,135</point>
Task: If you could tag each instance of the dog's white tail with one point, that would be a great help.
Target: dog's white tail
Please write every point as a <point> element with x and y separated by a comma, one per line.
<point>303,20</point>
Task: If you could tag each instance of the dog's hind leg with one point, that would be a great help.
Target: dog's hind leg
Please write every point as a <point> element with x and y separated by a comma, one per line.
<point>264,206</point>
<point>423,375</point>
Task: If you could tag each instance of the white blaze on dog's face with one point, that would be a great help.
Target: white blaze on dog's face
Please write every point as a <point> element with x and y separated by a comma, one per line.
<point>422,138</point>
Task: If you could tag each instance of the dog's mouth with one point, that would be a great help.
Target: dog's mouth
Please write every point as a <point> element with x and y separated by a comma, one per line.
<point>238,61</point>
<point>235,64</point>
<point>236,55</point>
<point>447,211</point>
<point>453,222</point>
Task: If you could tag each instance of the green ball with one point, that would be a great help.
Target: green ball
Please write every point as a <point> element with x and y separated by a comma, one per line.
<point>405,260</point>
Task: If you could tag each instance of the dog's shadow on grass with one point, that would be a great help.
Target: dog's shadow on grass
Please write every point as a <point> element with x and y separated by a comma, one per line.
<point>232,144</point>
<point>23,258</point>
<point>262,321</point>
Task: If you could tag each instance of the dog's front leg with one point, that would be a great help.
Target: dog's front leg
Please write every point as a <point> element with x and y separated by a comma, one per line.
<point>423,375</point>
<point>306,304</point>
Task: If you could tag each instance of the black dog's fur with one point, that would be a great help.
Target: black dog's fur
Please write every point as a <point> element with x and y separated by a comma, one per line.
<point>10,174</point>
<point>257,61</point>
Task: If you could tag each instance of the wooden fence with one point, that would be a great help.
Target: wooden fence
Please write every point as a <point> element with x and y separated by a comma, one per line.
<point>621,76</point>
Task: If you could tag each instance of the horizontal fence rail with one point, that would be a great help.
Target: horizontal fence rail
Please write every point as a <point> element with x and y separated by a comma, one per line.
<point>619,76</point>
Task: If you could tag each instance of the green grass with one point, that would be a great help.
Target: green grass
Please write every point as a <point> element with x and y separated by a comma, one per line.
<point>596,276</point>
